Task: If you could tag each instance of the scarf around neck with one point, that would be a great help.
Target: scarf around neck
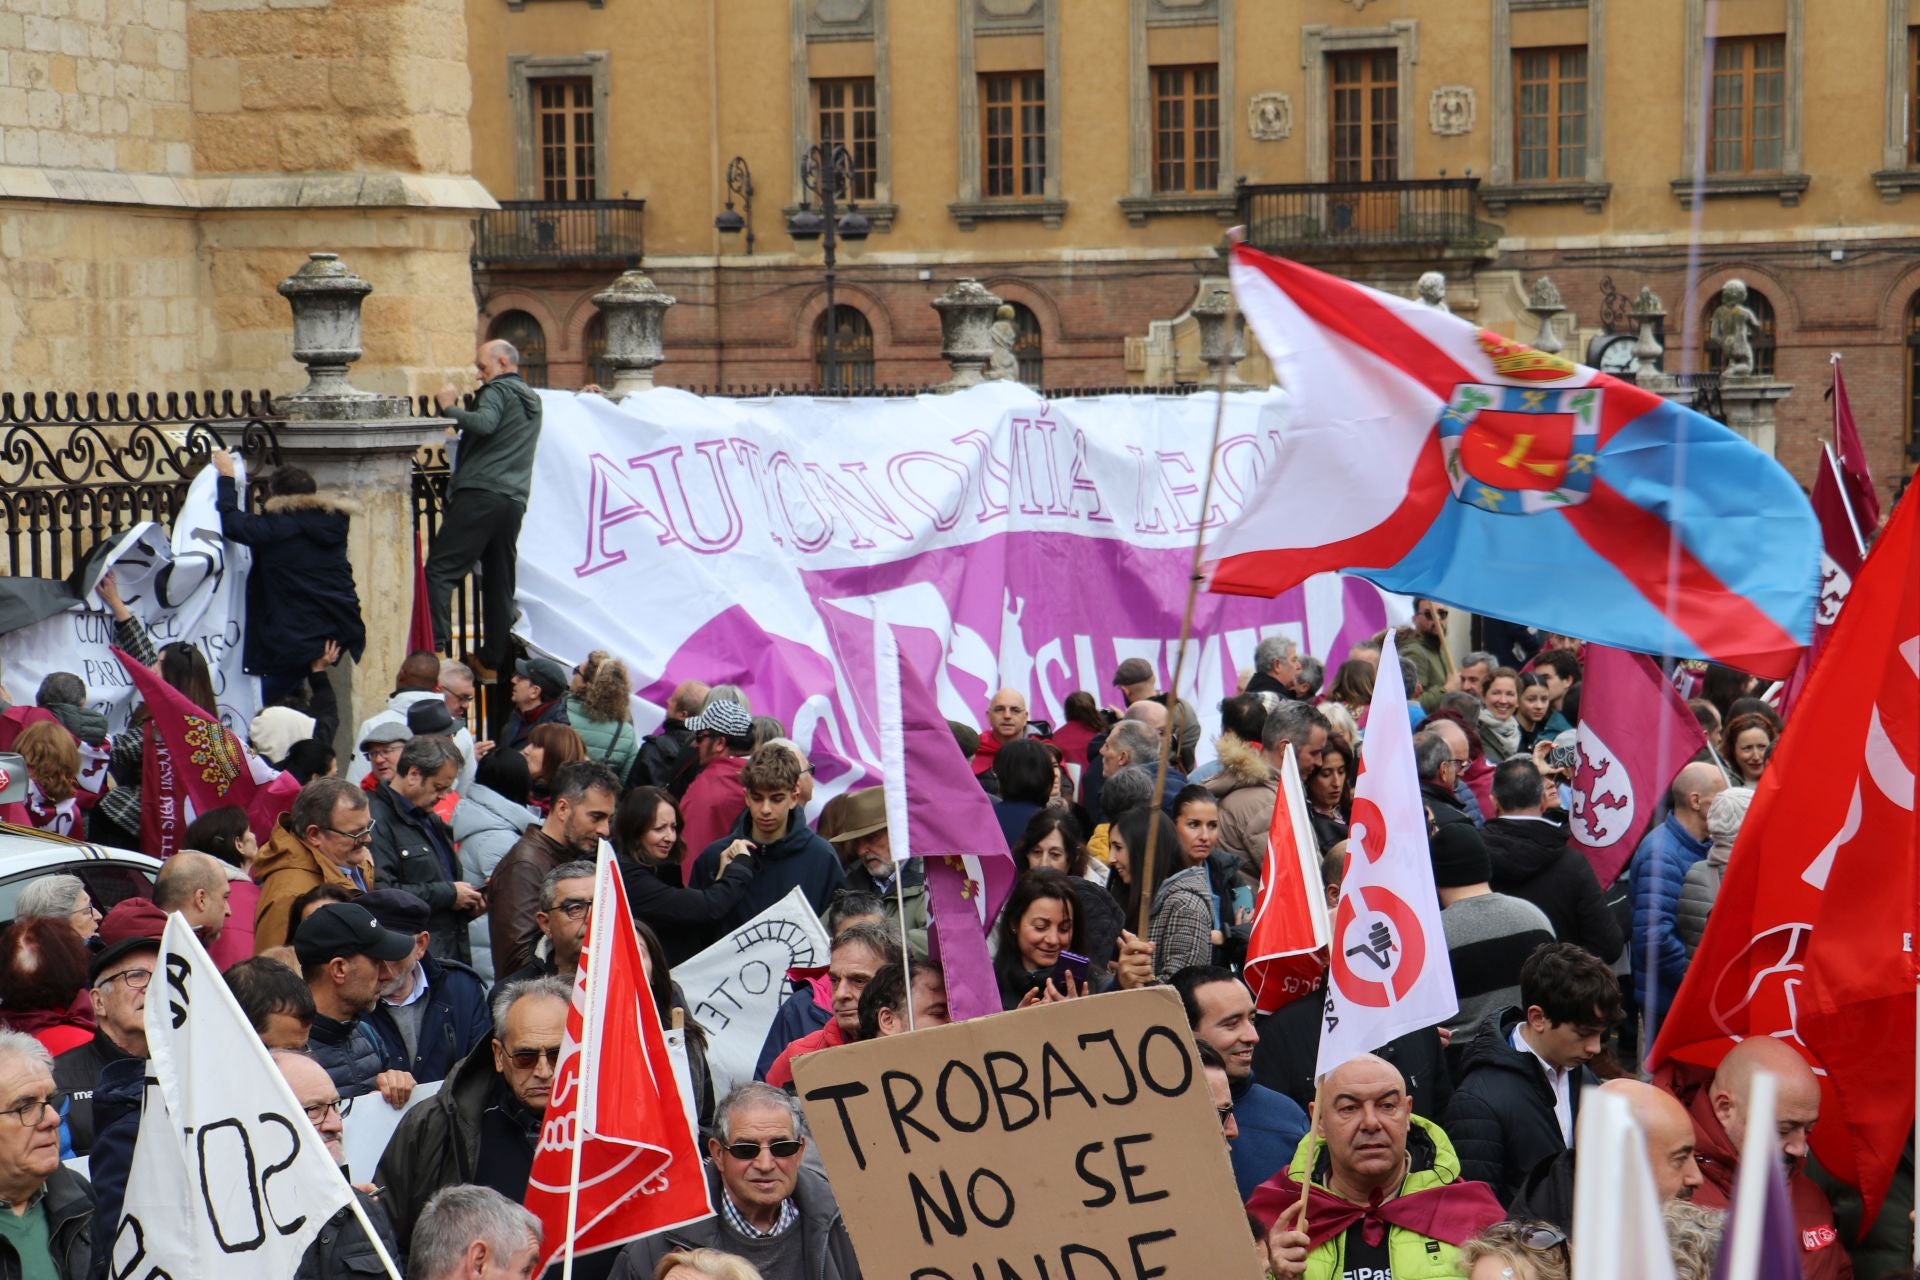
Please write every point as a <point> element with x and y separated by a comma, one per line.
<point>1452,1213</point>
<point>1505,734</point>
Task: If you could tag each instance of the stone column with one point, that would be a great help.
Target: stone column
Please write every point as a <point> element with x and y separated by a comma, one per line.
<point>1748,405</point>
<point>966,323</point>
<point>360,445</point>
<point>1223,334</point>
<point>634,308</point>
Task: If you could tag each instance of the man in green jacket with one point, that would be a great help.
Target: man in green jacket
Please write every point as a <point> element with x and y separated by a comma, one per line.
<point>492,474</point>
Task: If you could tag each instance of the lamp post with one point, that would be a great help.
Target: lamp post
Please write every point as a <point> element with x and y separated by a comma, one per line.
<point>826,170</point>
<point>739,183</point>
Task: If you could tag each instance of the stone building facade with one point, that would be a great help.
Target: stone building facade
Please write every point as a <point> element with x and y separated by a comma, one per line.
<point>1084,158</point>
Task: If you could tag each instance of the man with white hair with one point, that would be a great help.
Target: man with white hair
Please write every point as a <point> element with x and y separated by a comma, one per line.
<point>773,1211</point>
<point>1276,667</point>
<point>46,1227</point>
<point>474,1232</point>
<point>342,1247</point>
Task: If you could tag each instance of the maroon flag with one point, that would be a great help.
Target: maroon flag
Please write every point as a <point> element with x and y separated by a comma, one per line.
<point>1858,477</point>
<point>1842,551</point>
<point>192,764</point>
<point>420,620</point>
<point>1635,734</point>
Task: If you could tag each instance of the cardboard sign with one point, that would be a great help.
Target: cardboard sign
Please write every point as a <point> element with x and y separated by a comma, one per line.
<point>1073,1141</point>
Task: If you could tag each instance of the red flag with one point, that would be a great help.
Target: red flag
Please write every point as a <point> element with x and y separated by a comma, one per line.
<point>1861,494</point>
<point>1635,734</point>
<point>1842,549</point>
<point>1809,940</point>
<point>420,622</point>
<point>616,1135</point>
<point>192,764</point>
<point>1286,949</point>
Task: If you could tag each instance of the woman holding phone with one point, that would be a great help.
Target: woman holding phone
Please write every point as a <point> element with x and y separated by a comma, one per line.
<point>1039,925</point>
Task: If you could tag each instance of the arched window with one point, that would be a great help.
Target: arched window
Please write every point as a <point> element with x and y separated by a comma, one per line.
<point>525,333</point>
<point>852,349</point>
<point>1762,341</point>
<point>1026,343</point>
<point>594,341</point>
<point>1913,377</point>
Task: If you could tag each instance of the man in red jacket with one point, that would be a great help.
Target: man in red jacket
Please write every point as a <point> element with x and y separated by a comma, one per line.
<point>1718,1110</point>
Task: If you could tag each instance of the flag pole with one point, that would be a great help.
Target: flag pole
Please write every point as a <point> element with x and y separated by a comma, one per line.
<point>1143,870</point>
<point>595,944</point>
<point>373,1237</point>
<point>906,949</point>
<point>1846,503</point>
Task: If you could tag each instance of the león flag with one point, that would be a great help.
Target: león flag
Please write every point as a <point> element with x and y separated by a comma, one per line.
<point>1809,940</point>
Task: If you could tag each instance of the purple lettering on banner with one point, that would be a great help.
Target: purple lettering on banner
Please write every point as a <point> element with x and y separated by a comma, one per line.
<point>866,506</point>
<point>787,480</point>
<point>1079,483</point>
<point>992,470</point>
<point>685,525</point>
<point>903,470</point>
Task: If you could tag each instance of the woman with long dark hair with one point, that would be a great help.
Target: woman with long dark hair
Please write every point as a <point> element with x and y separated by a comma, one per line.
<point>1052,842</point>
<point>1745,744</point>
<point>489,820</point>
<point>646,838</point>
<point>1180,922</point>
<point>550,747</point>
<point>1041,919</point>
<point>1025,770</point>
<point>224,833</point>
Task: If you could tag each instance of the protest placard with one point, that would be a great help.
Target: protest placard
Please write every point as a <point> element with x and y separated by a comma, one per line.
<point>736,986</point>
<point>1075,1141</point>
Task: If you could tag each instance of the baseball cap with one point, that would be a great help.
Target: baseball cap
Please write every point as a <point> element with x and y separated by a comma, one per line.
<point>13,778</point>
<point>429,716</point>
<point>132,925</point>
<point>1133,671</point>
<point>396,909</point>
<point>342,929</point>
<point>726,718</point>
<point>548,675</point>
<point>386,727</point>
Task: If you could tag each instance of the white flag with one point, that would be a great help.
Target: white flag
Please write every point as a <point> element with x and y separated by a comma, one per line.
<point>1387,971</point>
<point>1616,1208</point>
<point>223,1124</point>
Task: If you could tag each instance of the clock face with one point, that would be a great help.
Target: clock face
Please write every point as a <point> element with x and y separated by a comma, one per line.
<point>1616,355</point>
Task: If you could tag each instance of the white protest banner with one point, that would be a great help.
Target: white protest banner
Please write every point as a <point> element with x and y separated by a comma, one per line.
<point>224,1125</point>
<point>190,586</point>
<point>1012,540</point>
<point>736,986</point>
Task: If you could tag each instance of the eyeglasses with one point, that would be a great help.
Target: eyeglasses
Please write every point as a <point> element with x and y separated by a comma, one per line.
<point>780,1148</point>
<point>1541,1237</point>
<point>362,836</point>
<point>136,979</point>
<point>317,1111</point>
<point>460,701</point>
<point>575,909</point>
<point>1226,1114</point>
<point>30,1112</point>
<point>528,1059</point>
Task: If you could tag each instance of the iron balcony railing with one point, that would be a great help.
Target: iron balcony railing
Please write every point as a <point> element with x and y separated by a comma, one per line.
<point>560,233</point>
<point>1415,212</point>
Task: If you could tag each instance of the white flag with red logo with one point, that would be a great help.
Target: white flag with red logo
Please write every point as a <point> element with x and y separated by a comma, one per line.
<point>637,1166</point>
<point>1289,936</point>
<point>1387,970</point>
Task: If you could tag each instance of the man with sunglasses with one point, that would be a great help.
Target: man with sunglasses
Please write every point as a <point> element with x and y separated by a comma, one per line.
<point>484,1123</point>
<point>772,1210</point>
<point>117,985</point>
<point>1425,645</point>
<point>46,1222</point>
<point>324,839</point>
<point>342,1247</point>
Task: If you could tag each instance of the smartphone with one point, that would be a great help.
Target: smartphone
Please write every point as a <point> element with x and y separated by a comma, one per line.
<point>1242,899</point>
<point>1565,755</point>
<point>1069,963</point>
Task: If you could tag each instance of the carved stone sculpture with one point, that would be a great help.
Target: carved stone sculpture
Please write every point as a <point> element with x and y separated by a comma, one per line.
<point>1433,291</point>
<point>1003,365</point>
<point>1451,110</point>
<point>1544,302</point>
<point>1270,117</point>
<point>1731,330</point>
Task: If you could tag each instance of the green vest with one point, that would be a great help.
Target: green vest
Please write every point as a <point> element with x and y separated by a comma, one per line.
<point>1411,1256</point>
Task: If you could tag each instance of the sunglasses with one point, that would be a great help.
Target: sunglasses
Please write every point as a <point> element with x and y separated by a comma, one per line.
<point>528,1059</point>
<point>780,1148</point>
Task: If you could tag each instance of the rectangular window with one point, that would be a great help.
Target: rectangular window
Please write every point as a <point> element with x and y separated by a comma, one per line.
<point>1186,130</point>
<point>1550,115</point>
<point>1366,116</point>
<point>848,115</point>
<point>1013,151</point>
<point>563,123</point>
<point>1749,111</point>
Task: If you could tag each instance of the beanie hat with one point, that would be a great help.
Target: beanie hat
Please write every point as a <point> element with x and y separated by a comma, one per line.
<point>275,730</point>
<point>1724,816</point>
<point>1460,856</point>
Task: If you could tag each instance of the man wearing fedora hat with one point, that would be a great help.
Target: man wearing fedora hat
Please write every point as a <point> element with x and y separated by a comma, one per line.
<point>864,846</point>
<point>539,696</point>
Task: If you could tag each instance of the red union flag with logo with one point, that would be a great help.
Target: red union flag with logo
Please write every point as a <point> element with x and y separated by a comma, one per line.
<point>1289,933</point>
<point>1811,938</point>
<point>1635,734</point>
<point>617,1158</point>
<point>1387,970</point>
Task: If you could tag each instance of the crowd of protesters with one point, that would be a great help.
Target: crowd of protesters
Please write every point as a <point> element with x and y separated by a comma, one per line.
<point>417,916</point>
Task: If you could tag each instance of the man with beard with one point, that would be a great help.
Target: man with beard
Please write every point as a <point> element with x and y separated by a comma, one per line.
<point>347,959</point>
<point>433,1011</point>
<point>584,794</point>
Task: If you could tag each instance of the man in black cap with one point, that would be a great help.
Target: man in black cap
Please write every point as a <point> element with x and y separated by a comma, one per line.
<point>347,960</point>
<point>434,1011</point>
<point>1135,680</point>
<point>539,696</point>
<point>412,845</point>
<point>118,979</point>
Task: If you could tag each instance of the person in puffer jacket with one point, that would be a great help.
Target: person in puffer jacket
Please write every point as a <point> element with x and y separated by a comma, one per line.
<point>600,709</point>
<point>1702,884</point>
<point>489,820</point>
<point>347,959</point>
<point>1656,874</point>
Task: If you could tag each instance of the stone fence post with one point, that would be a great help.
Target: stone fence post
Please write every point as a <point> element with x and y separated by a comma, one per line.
<point>634,309</point>
<point>967,311</point>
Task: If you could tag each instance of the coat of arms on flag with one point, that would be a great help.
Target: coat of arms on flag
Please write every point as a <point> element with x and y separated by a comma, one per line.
<point>1519,450</point>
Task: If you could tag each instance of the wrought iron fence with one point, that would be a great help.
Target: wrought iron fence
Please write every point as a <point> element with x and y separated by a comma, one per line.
<point>559,233</point>
<point>76,469</point>
<point>1706,392</point>
<point>1414,212</point>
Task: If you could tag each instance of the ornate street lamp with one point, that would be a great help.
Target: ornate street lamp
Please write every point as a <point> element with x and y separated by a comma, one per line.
<point>739,183</point>
<point>826,171</point>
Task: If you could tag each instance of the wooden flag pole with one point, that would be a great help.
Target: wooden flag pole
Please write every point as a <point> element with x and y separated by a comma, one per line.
<point>906,949</point>
<point>1143,858</point>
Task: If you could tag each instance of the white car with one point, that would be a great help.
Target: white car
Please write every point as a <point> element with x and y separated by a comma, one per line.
<point>111,875</point>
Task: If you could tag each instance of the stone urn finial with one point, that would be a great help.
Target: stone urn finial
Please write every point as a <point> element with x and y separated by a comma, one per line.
<point>633,309</point>
<point>967,310</point>
<point>325,296</point>
<point>1544,303</point>
<point>1221,343</point>
<point>1646,311</point>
